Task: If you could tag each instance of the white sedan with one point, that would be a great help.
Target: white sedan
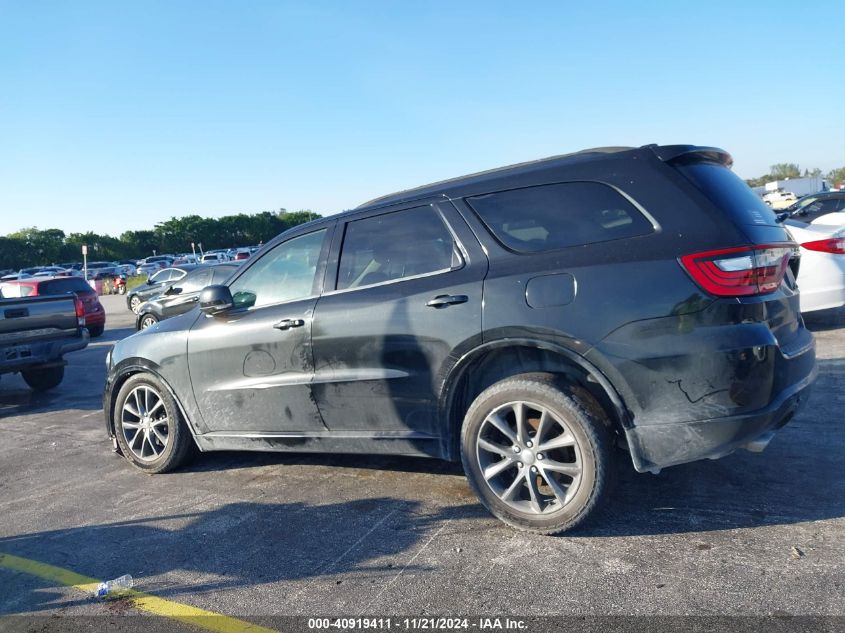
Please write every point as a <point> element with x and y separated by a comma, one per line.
<point>821,275</point>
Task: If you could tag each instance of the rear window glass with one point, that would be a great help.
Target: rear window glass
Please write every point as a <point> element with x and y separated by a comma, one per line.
<point>549,217</point>
<point>728,192</point>
<point>64,286</point>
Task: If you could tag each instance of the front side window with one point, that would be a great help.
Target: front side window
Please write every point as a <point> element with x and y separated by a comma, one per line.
<point>549,217</point>
<point>394,246</point>
<point>283,274</point>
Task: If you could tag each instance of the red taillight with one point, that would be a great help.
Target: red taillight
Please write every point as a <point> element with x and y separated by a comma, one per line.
<point>741,271</point>
<point>80,311</point>
<point>835,245</point>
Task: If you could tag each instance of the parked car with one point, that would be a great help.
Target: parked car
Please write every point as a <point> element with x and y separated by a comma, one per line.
<point>53,271</point>
<point>30,271</point>
<point>128,267</point>
<point>779,199</point>
<point>523,320</point>
<point>14,276</point>
<point>242,254</point>
<point>181,296</point>
<point>156,284</point>
<point>95,315</point>
<point>811,207</point>
<point>35,335</point>
<point>214,257</point>
<point>821,276</point>
<point>151,268</point>
<point>186,259</point>
<point>100,270</point>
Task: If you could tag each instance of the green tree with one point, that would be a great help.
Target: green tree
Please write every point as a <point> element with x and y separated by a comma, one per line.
<point>41,246</point>
<point>782,171</point>
<point>836,175</point>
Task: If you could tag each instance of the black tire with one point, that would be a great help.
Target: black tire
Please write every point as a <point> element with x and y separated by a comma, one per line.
<point>134,302</point>
<point>179,447</point>
<point>96,330</point>
<point>525,505</point>
<point>44,379</point>
<point>147,320</point>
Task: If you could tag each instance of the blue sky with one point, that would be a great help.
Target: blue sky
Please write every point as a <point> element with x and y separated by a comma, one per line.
<point>117,115</point>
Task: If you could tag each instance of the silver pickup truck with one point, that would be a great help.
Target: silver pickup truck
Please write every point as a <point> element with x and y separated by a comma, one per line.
<point>36,333</point>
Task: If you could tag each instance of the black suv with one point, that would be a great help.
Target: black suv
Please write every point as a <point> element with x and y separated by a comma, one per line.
<point>523,320</point>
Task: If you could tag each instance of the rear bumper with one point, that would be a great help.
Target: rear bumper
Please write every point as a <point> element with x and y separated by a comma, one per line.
<point>700,385</point>
<point>657,446</point>
<point>33,354</point>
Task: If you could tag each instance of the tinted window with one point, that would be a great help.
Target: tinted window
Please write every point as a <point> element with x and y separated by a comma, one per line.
<point>556,216</point>
<point>393,246</point>
<point>820,207</point>
<point>221,274</point>
<point>728,192</point>
<point>194,282</point>
<point>283,274</point>
<point>62,286</point>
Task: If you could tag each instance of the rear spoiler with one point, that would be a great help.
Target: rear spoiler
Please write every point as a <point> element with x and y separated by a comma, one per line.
<point>685,154</point>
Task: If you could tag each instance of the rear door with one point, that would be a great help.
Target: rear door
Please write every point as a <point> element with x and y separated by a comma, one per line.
<point>403,293</point>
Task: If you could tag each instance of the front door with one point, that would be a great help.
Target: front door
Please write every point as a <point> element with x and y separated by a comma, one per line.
<point>251,366</point>
<point>406,295</point>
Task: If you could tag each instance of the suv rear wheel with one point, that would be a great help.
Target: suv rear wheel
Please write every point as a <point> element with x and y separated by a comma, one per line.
<point>149,427</point>
<point>534,456</point>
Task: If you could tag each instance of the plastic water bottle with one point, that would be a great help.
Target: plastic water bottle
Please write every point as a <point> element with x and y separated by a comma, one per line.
<point>111,586</point>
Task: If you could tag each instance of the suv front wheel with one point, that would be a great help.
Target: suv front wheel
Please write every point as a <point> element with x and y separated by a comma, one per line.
<point>149,427</point>
<point>534,456</point>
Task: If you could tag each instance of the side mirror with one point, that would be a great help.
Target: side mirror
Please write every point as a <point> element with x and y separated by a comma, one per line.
<point>173,290</point>
<point>150,282</point>
<point>214,299</point>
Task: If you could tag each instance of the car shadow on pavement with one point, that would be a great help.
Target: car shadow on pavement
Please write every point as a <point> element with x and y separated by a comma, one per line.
<point>225,460</point>
<point>239,545</point>
<point>81,388</point>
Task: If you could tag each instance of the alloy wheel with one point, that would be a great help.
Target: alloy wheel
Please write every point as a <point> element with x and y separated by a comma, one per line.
<point>529,458</point>
<point>145,423</point>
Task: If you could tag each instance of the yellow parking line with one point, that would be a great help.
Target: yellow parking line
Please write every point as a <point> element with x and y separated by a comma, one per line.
<point>152,604</point>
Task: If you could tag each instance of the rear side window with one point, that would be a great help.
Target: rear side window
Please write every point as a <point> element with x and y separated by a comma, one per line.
<point>196,281</point>
<point>394,246</point>
<point>221,274</point>
<point>728,192</point>
<point>549,217</point>
<point>64,286</point>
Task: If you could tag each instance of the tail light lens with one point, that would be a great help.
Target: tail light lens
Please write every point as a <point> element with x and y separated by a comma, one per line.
<point>80,311</point>
<point>835,245</point>
<point>741,271</point>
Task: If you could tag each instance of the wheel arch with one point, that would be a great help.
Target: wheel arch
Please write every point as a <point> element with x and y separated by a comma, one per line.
<point>133,367</point>
<point>496,360</point>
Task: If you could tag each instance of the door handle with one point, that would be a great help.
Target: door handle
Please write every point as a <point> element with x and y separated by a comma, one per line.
<point>441,301</point>
<point>286,324</point>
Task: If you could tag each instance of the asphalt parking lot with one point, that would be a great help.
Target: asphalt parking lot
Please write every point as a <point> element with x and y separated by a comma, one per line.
<point>257,535</point>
